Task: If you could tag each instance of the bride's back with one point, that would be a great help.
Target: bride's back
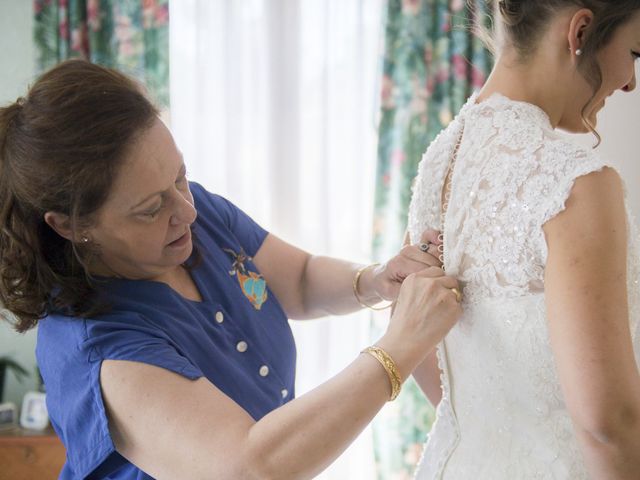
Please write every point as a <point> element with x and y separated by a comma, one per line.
<point>502,415</point>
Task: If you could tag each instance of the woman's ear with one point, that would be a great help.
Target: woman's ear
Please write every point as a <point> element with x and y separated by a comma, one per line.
<point>579,29</point>
<point>60,223</point>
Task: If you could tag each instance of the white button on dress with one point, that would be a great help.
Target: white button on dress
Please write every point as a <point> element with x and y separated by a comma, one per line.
<point>219,317</point>
<point>242,346</point>
<point>264,371</point>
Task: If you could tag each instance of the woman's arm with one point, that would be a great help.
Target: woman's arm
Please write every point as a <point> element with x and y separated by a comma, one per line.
<point>172,427</point>
<point>311,286</point>
<point>586,294</point>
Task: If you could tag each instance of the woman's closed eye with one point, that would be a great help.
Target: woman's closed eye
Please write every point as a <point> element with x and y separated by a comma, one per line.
<point>152,213</point>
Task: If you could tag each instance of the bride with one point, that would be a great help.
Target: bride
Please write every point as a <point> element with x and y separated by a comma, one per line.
<point>540,378</point>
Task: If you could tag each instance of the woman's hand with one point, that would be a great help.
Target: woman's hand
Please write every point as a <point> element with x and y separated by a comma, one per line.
<point>384,280</point>
<point>426,309</point>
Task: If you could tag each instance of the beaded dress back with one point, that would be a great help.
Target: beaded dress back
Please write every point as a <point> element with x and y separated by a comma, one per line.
<point>502,414</point>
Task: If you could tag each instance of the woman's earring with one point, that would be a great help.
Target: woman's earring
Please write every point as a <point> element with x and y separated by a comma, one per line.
<point>84,239</point>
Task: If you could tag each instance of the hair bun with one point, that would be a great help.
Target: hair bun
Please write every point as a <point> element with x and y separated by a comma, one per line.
<point>512,11</point>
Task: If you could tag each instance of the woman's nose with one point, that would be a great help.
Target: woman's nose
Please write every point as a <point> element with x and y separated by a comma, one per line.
<point>185,212</point>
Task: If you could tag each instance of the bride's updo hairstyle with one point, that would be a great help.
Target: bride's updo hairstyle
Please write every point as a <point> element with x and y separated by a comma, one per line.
<point>61,147</point>
<point>525,22</point>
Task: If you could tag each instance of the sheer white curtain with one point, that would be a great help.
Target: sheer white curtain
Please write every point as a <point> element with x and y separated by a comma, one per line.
<point>273,103</point>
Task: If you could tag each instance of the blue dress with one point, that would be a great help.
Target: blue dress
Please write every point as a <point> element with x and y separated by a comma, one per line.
<point>238,337</point>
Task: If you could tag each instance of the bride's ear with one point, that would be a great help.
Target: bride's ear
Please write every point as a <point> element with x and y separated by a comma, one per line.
<point>579,26</point>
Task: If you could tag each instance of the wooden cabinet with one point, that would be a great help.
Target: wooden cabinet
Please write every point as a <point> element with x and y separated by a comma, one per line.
<point>30,455</point>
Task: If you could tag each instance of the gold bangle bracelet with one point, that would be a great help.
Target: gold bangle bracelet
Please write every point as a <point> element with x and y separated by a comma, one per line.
<point>356,282</point>
<point>390,367</point>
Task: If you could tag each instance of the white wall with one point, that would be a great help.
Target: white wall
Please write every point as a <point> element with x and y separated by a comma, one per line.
<point>16,71</point>
<point>619,126</point>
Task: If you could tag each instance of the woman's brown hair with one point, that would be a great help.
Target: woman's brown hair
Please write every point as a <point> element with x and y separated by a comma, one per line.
<point>525,22</point>
<point>61,148</point>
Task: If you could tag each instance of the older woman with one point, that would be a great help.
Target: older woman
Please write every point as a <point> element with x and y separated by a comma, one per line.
<point>162,308</point>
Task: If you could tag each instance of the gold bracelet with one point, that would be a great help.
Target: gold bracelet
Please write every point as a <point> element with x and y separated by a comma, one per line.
<point>390,367</point>
<point>356,281</point>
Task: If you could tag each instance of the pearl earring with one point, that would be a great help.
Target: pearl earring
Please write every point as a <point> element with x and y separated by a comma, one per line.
<point>578,52</point>
<point>84,239</point>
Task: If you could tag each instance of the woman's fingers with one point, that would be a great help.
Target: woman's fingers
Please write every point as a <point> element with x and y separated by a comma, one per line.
<point>431,236</point>
<point>420,255</point>
<point>427,308</point>
<point>427,251</point>
<point>431,272</point>
<point>410,259</point>
<point>449,283</point>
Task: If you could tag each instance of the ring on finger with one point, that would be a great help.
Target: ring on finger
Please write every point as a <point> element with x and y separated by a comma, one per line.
<point>457,294</point>
<point>424,246</point>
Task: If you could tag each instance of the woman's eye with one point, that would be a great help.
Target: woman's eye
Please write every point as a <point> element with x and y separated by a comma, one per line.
<point>635,55</point>
<point>152,214</point>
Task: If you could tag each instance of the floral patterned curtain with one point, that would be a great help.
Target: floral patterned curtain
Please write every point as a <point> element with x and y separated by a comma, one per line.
<point>433,61</point>
<point>131,35</point>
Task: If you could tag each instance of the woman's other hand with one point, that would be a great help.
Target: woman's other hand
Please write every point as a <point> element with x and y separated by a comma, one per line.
<point>387,278</point>
<point>428,305</point>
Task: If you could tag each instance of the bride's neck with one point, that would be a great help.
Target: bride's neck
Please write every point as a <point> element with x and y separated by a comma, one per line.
<point>536,82</point>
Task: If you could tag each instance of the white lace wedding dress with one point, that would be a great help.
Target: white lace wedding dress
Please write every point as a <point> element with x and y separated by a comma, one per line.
<point>502,414</point>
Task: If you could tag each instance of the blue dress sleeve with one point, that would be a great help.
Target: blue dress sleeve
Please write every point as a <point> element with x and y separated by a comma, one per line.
<point>70,354</point>
<point>137,341</point>
<point>249,234</point>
